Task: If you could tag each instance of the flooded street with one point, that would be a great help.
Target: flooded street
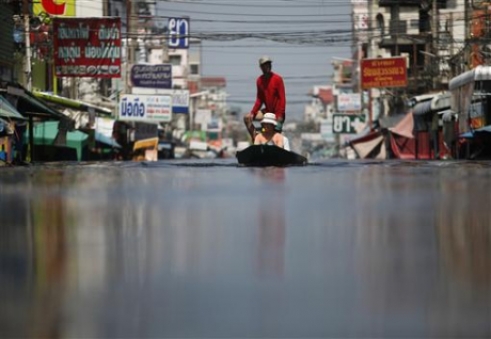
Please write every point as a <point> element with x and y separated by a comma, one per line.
<point>206,250</point>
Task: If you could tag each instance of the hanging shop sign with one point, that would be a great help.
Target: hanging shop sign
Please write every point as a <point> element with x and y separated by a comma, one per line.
<point>349,102</point>
<point>152,76</point>
<point>347,123</point>
<point>383,73</point>
<point>87,47</point>
<point>145,108</point>
<point>178,33</point>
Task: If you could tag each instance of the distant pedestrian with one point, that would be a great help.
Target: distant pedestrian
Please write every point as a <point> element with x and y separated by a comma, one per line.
<point>271,94</point>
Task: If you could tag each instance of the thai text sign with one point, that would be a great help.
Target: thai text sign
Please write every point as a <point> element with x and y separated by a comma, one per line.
<point>379,73</point>
<point>178,33</point>
<point>150,108</point>
<point>347,123</point>
<point>87,47</point>
<point>349,102</point>
<point>152,76</point>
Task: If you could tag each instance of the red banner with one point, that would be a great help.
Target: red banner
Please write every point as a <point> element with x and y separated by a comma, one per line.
<point>379,73</point>
<point>87,47</point>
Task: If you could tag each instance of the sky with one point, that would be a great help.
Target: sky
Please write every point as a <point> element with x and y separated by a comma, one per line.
<point>301,36</point>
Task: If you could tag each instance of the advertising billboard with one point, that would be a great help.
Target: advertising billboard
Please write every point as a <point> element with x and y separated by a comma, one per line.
<point>180,97</point>
<point>152,76</point>
<point>52,7</point>
<point>87,47</point>
<point>145,108</point>
<point>383,72</point>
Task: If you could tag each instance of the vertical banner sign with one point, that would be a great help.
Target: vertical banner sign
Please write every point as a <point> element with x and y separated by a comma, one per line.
<point>54,7</point>
<point>178,33</point>
<point>87,47</point>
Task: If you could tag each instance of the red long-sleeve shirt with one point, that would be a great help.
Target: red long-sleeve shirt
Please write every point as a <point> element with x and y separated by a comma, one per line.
<point>271,93</point>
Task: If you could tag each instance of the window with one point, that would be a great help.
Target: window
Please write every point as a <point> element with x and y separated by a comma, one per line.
<point>194,69</point>
<point>175,60</point>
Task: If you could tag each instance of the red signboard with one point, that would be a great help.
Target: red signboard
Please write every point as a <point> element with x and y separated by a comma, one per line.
<point>87,47</point>
<point>378,73</point>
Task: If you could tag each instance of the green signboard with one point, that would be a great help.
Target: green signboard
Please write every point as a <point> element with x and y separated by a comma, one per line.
<point>347,123</point>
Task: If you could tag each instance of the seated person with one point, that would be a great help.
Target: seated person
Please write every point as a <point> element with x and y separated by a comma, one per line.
<point>268,135</point>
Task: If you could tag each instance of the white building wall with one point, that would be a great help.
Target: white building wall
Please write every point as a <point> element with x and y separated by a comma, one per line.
<point>87,9</point>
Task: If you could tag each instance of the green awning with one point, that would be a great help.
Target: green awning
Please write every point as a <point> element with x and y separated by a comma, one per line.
<point>8,111</point>
<point>73,104</point>
<point>46,132</point>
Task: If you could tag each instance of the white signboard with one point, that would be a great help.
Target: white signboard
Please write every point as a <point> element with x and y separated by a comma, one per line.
<point>180,97</point>
<point>349,102</point>
<point>146,108</point>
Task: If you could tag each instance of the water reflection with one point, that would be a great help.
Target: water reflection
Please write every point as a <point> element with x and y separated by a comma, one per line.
<point>271,221</point>
<point>373,250</point>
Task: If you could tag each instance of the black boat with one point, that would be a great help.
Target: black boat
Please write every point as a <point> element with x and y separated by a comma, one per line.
<point>265,155</point>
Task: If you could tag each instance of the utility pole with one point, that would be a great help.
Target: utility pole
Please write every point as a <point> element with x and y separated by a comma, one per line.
<point>130,41</point>
<point>370,55</point>
<point>434,33</point>
<point>27,40</point>
<point>466,37</point>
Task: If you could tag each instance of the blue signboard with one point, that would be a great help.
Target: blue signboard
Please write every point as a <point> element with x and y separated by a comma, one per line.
<point>152,76</point>
<point>178,33</point>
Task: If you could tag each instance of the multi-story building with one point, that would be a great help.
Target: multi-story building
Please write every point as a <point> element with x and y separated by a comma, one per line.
<point>429,34</point>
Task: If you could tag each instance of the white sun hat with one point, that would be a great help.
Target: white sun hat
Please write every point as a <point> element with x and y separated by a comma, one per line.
<point>264,59</point>
<point>269,118</point>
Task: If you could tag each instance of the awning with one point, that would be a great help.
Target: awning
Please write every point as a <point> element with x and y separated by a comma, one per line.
<point>104,139</point>
<point>73,104</point>
<point>28,104</point>
<point>441,102</point>
<point>405,127</point>
<point>8,111</point>
<point>367,148</point>
<point>480,73</point>
<point>422,108</point>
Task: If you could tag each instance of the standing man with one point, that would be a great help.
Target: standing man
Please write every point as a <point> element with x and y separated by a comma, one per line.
<point>271,93</point>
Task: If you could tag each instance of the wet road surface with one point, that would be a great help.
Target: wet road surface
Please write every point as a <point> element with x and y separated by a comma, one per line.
<point>206,250</point>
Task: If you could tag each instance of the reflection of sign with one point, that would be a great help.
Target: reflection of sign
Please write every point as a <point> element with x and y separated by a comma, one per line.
<point>389,72</point>
<point>87,47</point>
<point>349,102</point>
<point>178,33</point>
<point>152,76</point>
<point>347,123</point>
<point>156,108</point>
<point>54,7</point>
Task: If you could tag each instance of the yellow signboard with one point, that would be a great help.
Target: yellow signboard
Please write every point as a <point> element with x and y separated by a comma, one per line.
<point>54,7</point>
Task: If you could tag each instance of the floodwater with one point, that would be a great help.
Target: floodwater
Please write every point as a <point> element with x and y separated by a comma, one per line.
<point>208,250</point>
